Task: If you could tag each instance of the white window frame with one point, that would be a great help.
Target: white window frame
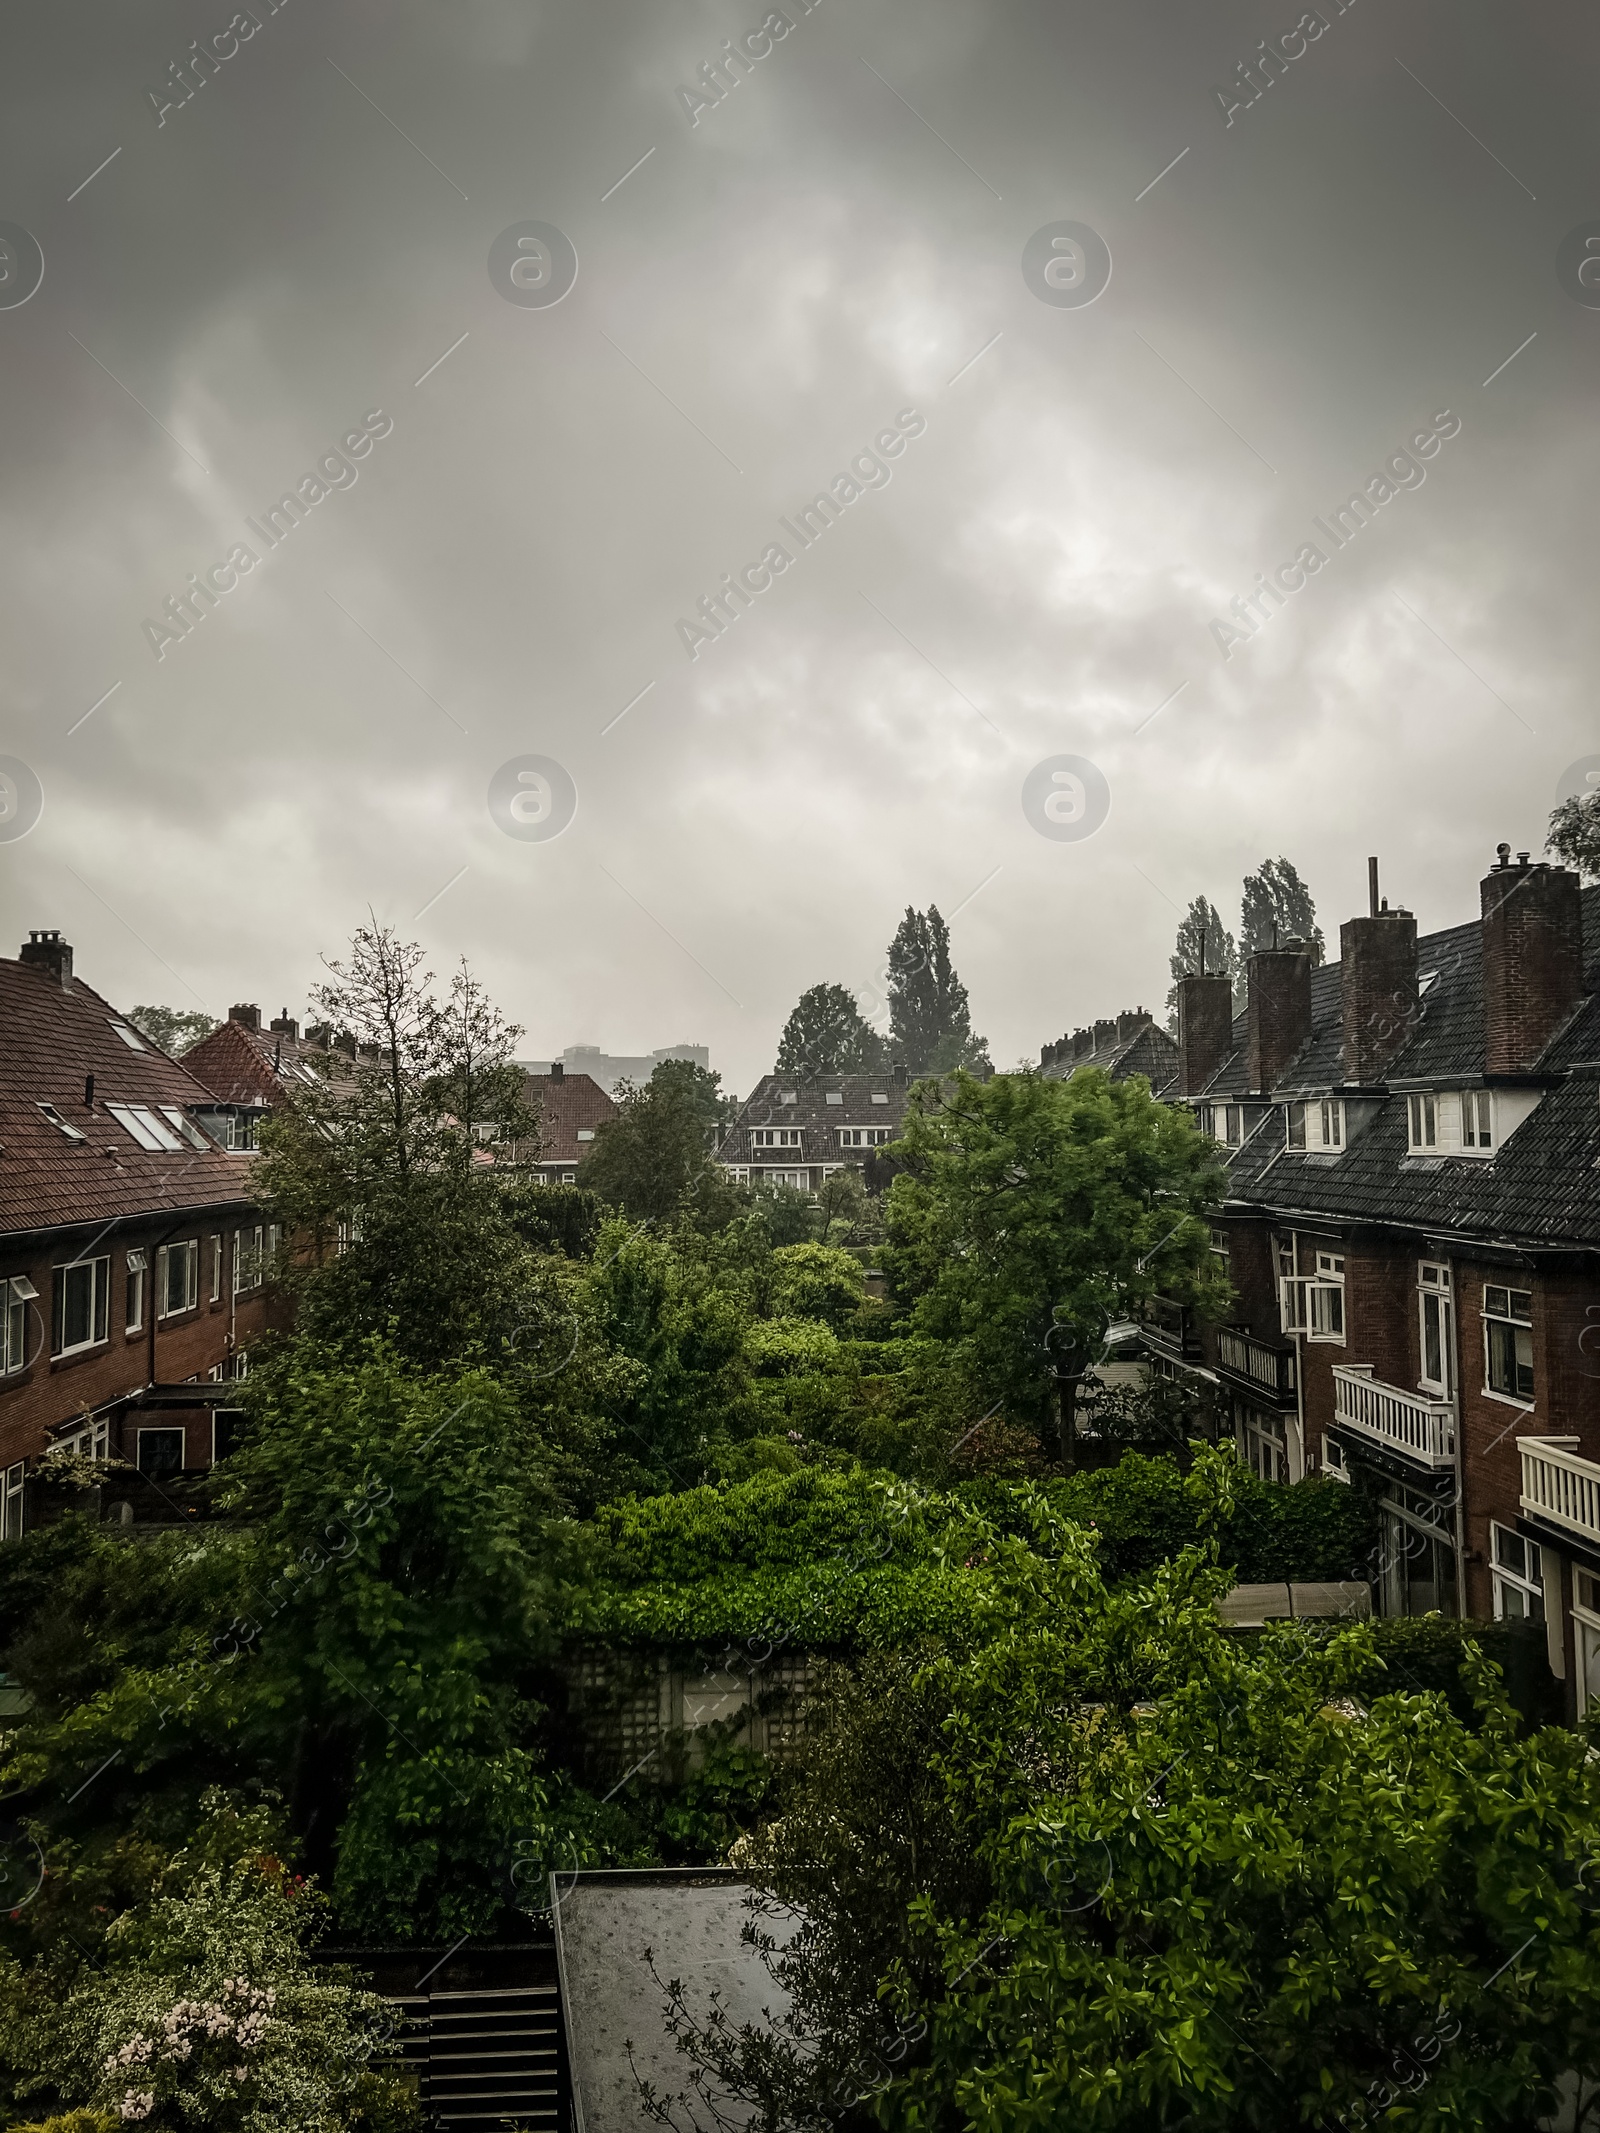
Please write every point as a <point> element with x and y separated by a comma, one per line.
<point>1507,1317</point>
<point>135,1292</point>
<point>878,1096</point>
<point>99,1271</point>
<point>247,1253</point>
<point>16,1293</point>
<point>1507,1579</point>
<point>186,1253</point>
<point>1586,1633</point>
<point>1324,1306</point>
<point>1330,1123</point>
<point>62,1125</point>
<point>216,1266</point>
<point>1422,1122</point>
<point>130,1036</point>
<point>1294,1125</point>
<point>833,1096</point>
<point>12,1501</point>
<point>864,1136</point>
<point>798,1180</point>
<point>161,1429</point>
<point>1263,1441</point>
<point>1477,1122</point>
<point>586,1133</point>
<point>145,1129</point>
<point>1435,1290</point>
<point>777,1137</point>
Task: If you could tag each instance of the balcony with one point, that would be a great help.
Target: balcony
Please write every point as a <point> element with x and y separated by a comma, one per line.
<point>1559,1488</point>
<point>1170,1326</point>
<point>1419,1429</point>
<point>1263,1368</point>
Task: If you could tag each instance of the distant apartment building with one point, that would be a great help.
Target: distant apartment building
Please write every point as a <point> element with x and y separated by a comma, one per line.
<point>133,1264</point>
<point>797,1133</point>
<point>607,1069</point>
<point>1412,1229</point>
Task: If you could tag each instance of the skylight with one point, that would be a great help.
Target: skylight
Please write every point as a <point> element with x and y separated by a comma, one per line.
<point>190,1131</point>
<point>142,1125</point>
<point>61,1124</point>
<point>130,1037</point>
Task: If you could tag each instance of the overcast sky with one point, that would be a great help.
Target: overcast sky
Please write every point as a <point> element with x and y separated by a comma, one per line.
<point>278,263</point>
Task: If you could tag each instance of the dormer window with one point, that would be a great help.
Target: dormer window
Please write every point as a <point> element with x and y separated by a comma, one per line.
<point>1294,1125</point>
<point>1422,1123</point>
<point>1330,1122</point>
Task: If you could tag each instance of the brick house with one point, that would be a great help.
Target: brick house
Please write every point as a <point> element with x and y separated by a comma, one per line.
<point>1412,1229</point>
<point>790,1132</point>
<point>571,1108</point>
<point>132,1262</point>
<point>249,1070</point>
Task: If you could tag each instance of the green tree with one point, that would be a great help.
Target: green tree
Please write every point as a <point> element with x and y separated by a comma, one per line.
<point>1105,1866</point>
<point>930,1025</point>
<point>1277,907</point>
<point>1575,834</point>
<point>1031,1212</point>
<point>826,1034</point>
<point>655,1157</point>
<point>375,1165</point>
<point>175,1029</point>
<point>1205,948</point>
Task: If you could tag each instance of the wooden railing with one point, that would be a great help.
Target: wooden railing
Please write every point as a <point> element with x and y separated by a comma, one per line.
<point>1559,1487</point>
<point>1406,1422</point>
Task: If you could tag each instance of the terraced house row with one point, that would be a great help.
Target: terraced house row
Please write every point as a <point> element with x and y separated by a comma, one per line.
<point>133,1264</point>
<point>1412,1229</point>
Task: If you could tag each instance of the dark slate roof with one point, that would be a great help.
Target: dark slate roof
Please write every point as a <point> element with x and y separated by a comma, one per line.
<point>817,1119</point>
<point>564,1103</point>
<point>1148,1051</point>
<point>51,1038</point>
<point>1541,1187</point>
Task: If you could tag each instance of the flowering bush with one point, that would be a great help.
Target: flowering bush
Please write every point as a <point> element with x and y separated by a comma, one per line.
<point>207,2011</point>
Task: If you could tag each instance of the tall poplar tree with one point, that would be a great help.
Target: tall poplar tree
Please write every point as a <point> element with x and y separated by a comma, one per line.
<point>930,1024</point>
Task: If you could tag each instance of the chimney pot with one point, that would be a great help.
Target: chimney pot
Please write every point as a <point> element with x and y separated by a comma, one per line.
<point>1129,1023</point>
<point>247,1016</point>
<point>285,1025</point>
<point>1532,961</point>
<point>1372,887</point>
<point>899,1073</point>
<point>45,950</point>
<point>1503,854</point>
<point>1522,859</point>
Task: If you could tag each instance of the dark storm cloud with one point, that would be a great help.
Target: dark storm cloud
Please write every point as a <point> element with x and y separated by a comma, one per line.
<point>762,281</point>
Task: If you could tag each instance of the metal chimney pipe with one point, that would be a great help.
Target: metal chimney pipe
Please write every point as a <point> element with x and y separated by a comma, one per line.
<point>1372,886</point>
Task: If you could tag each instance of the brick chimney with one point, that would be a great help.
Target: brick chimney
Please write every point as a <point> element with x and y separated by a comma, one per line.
<point>1532,959</point>
<point>1105,1035</point>
<point>285,1025</point>
<point>1082,1042</point>
<point>1205,1030</point>
<point>1130,1022</point>
<point>1279,1013</point>
<point>1377,985</point>
<point>247,1017</point>
<point>558,1070</point>
<point>47,951</point>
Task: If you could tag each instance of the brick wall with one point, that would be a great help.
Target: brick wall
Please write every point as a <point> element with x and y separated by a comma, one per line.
<point>164,1350</point>
<point>1532,961</point>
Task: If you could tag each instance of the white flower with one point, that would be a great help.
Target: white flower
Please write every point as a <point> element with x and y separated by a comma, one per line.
<point>138,2103</point>
<point>239,2073</point>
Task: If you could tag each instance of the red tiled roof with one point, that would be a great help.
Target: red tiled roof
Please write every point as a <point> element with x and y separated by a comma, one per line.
<point>248,1066</point>
<point>52,1038</point>
<point>564,1105</point>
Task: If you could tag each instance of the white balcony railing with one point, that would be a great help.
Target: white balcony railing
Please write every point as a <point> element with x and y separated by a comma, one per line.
<point>1559,1487</point>
<point>1406,1422</point>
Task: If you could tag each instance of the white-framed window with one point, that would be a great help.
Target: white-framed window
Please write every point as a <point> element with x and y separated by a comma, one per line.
<point>130,1037</point>
<point>1227,1124</point>
<point>61,1125</point>
<point>1219,1246</point>
<point>739,1172</point>
<point>81,1290</point>
<point>1477,1120</point>
<point>586,1133</point>
<point>160,1453</point>
<point>1422,1122</point>
<point>834,1096</point>
<point>1324,1298</point>
<point>1263,1442</point>
<point>799,1179</point>
<point>1518,1576</point>
<point>1330,1122</point>
<point>216,1267</point>
<point>15,1296</point>
<point>1508,1343</point>
<point>1435,1373</point>
<point>776,1137</point>
<point>138,1275</point>
<point>247,1245</point>
<point>879,1096</point>
<point>1334,1463</point>
<point>177,1277</point>
<point>94,1441</point>
<point>184,1126</point>
<point>11,1501</point>
<point>1294,1125</point>
<point>864,1136</point>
